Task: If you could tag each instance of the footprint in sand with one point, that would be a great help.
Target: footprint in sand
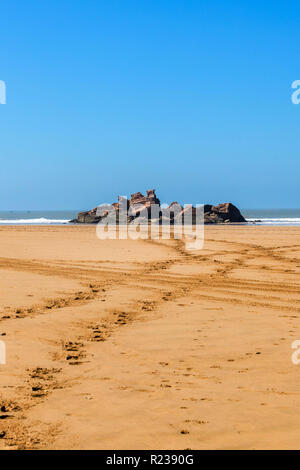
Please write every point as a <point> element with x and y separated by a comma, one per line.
<point>76,353</point>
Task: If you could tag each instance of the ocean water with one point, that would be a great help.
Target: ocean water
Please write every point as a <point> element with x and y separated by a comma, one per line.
<point>36,217</point>
<point>257,216</point>
<point>272,216</point>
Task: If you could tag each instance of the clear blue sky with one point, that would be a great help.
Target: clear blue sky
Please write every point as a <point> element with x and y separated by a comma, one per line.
<point>190,97</point>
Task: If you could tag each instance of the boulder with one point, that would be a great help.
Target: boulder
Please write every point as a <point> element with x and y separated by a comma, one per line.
<point>228,211</point>
<point>212,218</point>
<point>141,200</point>
<point>140,205</point>
<point>88,217</point>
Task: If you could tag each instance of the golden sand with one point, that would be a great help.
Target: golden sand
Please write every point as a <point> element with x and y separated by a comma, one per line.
<point>141,345</point>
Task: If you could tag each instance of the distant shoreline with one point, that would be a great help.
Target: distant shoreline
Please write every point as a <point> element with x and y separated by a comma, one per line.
<point>265,217</point>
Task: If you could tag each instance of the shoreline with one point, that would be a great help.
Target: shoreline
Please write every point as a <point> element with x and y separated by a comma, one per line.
<point>243,224</point>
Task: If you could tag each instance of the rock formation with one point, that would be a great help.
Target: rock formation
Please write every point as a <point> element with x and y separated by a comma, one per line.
<point>140,206</point>
<point>226,212</point>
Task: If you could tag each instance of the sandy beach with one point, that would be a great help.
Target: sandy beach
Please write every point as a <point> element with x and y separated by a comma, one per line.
<point>142,345</point>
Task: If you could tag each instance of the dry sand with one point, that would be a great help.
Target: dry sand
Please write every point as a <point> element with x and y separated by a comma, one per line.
<point>140,345</point>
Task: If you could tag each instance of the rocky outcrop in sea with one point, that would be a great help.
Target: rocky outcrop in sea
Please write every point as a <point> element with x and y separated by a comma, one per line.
<point>140,206</point>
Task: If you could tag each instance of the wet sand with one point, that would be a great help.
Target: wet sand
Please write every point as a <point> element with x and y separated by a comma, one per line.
<point>142,345</point>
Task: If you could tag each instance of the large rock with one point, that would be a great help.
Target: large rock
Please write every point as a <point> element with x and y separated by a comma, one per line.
<point>139,198</point>
<point>227,212</point>
<point>212,218</point>
<point>140,205</point>
<point>88,217</point>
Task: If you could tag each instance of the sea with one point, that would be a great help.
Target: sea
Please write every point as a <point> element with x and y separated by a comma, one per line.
<point>253,216</point>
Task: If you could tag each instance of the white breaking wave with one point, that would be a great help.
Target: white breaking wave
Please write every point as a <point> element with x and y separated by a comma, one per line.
<point>33,221</point>
<point>44,221</point>
<point>276,221</point>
